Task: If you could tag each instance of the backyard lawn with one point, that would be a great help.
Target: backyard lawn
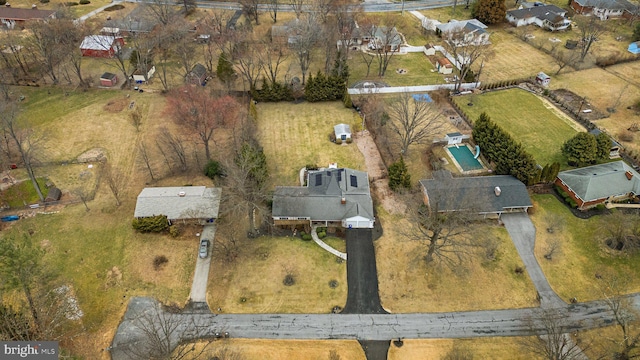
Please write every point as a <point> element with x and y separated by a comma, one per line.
<point>540,127</point>
<point>294,135</point>
<point>582,255</point>
<point>419,70</point>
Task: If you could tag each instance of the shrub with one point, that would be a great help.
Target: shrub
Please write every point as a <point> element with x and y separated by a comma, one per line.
<point>322,235</point>
<point>311,167</point>
<point>158,223</point>
<point>349,140</point>
<point>174,231</point>
<point>41,1</point>
<point>399,176</point>
<point>159,261</point>
<point>213,169</point>
<point>306,237</point>
<point>338,141</point>
<point>85,2</point>
<point>110,8</point>
<point>71,3</point>
<point>626,135</point>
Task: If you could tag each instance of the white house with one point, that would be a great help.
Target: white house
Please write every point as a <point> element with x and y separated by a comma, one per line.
<point>454,138</point>
<point>543,79</point>
<point>549,17</point>
<point>473,30</point>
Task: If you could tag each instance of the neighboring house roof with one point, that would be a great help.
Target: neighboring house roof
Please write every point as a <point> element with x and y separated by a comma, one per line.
<point>476,193</point>
<point>97,42</point>
<point>597,132</point>
<point>10,13</point>
<point>381,33</point>
<point>342,129</point>
<point>108,76</point>
<point>138,20</point>
<point>177,203</point>
<point>199,70</point>
<point>454,25</point>
<point>322,198</point>
<point>602,181</point>
<point>545,12</point>
<point>607,4</point>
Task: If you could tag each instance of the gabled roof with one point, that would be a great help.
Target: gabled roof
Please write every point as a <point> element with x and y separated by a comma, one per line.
<point>454,25</point>
<point>545,12</point>
<point>322,198</point>
<point>342,129</point>
<point>97,42</point>
<point>381,32</point>
<point>199,70</point>
<point>186,202</point>
<point>10,13</point>
<point>601,181</point>
<point>596,132</point>
<point>108,76</point>
<point>608,4</point>
<point>477,194</point>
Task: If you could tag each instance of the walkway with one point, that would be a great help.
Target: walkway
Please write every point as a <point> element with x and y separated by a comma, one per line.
<point>201,277</point>
<point>523,234</point>
<point>324,245</point>
<point>96,11</point>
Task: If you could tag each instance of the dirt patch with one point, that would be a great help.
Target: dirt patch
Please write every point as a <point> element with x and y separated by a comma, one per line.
<point>116,105</point>
<point>93,155</point>
<point>577,103</point>
<point>378,174</point>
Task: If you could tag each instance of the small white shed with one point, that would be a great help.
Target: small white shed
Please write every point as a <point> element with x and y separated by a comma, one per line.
<point>342,131</point>
<point>543,79</point>
<point>453,138</point>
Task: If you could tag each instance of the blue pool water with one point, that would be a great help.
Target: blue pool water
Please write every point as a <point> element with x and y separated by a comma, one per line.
<point>464,157</point>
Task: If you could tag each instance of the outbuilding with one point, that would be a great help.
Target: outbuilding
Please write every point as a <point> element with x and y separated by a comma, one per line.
<point>197,75</point>
<point>634,47</point>
<point>108,79</point>
<point>444,66</point>
<point>543,79</point>
<point>342,131</point>
<point>103,46</point>
<point>54,194</point>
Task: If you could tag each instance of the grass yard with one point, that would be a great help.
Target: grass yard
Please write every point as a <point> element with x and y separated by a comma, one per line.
<point>294,135</point>
<point>260,349</point>
<point>539,126</point>
<point>480,348</point>
<point>254,282</point>
<point>23,193</point>
<point>407,285</point>
<point>514,59</point>
<point>571,273</point>
<point>420,71</point>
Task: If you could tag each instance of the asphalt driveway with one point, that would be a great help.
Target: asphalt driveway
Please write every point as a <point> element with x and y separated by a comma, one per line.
<point>201,275</point>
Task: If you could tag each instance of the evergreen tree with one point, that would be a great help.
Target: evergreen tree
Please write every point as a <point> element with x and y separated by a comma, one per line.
<point>490,11</point>
<point>603,144</point>
<point>546,171</point>
<point>581,150</point>
<point>636,32</point>
<point>399,176</point>
<point>225,69</point>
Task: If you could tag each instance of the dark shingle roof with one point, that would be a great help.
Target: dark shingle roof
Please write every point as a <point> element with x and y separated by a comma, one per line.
<point>108,76</point>
<point>546,12</point>
<point>477,193</point>
<point>199,70</point>
<point>24,14</point>
<point>321,198</point>
<point>601,181</point>
<point>608,4</point>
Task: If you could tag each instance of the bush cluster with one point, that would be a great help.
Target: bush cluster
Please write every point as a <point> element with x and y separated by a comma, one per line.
<point>158,223</point>
<point>566,197</point>
<point>272,92</point>
<point>213,169</point>
<point>324,88</point>
<point>85,2</point>
<point>322,232</point>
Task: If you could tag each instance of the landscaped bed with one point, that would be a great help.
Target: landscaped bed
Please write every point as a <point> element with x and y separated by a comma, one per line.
<point>535,123</point>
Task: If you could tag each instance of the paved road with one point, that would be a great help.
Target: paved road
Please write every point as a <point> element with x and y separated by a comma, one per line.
<point>201,276</point>
<point>523,234</point>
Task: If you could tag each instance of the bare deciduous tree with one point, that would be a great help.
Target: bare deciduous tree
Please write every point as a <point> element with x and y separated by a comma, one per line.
<point>272,8</point>
<point>297,6</point>
<point>563,58</point>
<point>414,121</point>
<point>621,231</point>
<point>553,341</point>
<point>385,42</point>
<point>145,159</point>
<point>552,248</point>
<point>626,318</point>
<point>250,9</point>
<point>591,30</point>
<point>172,148</point>
<point>467,50</point>
<point>227,245</point>
<point>115,180</point>
<point>250,62</point>
<point>84,195</point>
<point>136,118</point>
<point>271,59</point>
<point>305,31</point>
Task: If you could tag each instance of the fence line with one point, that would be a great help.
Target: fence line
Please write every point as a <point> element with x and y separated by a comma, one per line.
<point>418,88</point>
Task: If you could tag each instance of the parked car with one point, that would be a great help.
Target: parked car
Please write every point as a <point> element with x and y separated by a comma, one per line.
<point>204,248</point>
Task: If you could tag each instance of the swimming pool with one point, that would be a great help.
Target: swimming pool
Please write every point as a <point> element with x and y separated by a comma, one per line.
<point>463,156</point>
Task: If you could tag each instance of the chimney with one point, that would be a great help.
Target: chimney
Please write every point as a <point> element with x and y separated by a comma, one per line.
<point>629,175</point>
<point>343,201</point>
<point>497,190</point>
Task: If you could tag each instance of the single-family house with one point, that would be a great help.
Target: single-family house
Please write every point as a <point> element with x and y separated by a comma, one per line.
<point>543,79</point>
<point>332,197</point>
<point>103,46</point>
<point>108,79</point>
<point>197,204</point>
<point>138,21</point>
<point>593,185</point>
<point>443,65</point>
<point>614,151</point>
<point>549,17</point>
<point>342,131</point>
<point>197,75</point>
<point>605,9</point>
<point>488,196</point>
<point>12,17</point>
<point>634,47</point>
<point>385,39</point>
<point>465,32</point>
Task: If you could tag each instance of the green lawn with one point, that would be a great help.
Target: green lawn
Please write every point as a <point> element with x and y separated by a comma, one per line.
<point>296,135</point>
<point>23,194</point>
<point>526,118</point>
<point>419,70</point>
<point>582,253</point>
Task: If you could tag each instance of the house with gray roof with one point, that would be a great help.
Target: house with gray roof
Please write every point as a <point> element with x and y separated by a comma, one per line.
<point>599,184</point>
<point>198,204</point>
<point>332,197</point>
<point>606,9</point>
<point>549,17</point>
<point>488,196</point>
<point>464,32</point>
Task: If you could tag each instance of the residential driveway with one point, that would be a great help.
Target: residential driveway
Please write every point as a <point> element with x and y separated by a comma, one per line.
<point>362,275</point>
<point>201,276</point>
<point>523,235</point>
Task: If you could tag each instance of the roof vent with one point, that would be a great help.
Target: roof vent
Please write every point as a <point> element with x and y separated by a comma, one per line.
<point>343,201</point>
<point>182,194</point>
<point>497,190</point>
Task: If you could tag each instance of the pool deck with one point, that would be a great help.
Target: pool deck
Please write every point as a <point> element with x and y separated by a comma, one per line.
<point>457,165</point>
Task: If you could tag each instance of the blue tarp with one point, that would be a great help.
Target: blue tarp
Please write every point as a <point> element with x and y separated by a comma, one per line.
<point>422,97</point>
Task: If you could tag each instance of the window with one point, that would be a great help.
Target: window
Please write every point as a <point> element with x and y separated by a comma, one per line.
<point>318,179</point>
<point>354,180</point>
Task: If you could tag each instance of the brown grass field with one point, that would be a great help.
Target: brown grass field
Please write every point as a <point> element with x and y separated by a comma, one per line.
<point>260,349</point>
<point>407,285</point>
<point>480,348</point>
